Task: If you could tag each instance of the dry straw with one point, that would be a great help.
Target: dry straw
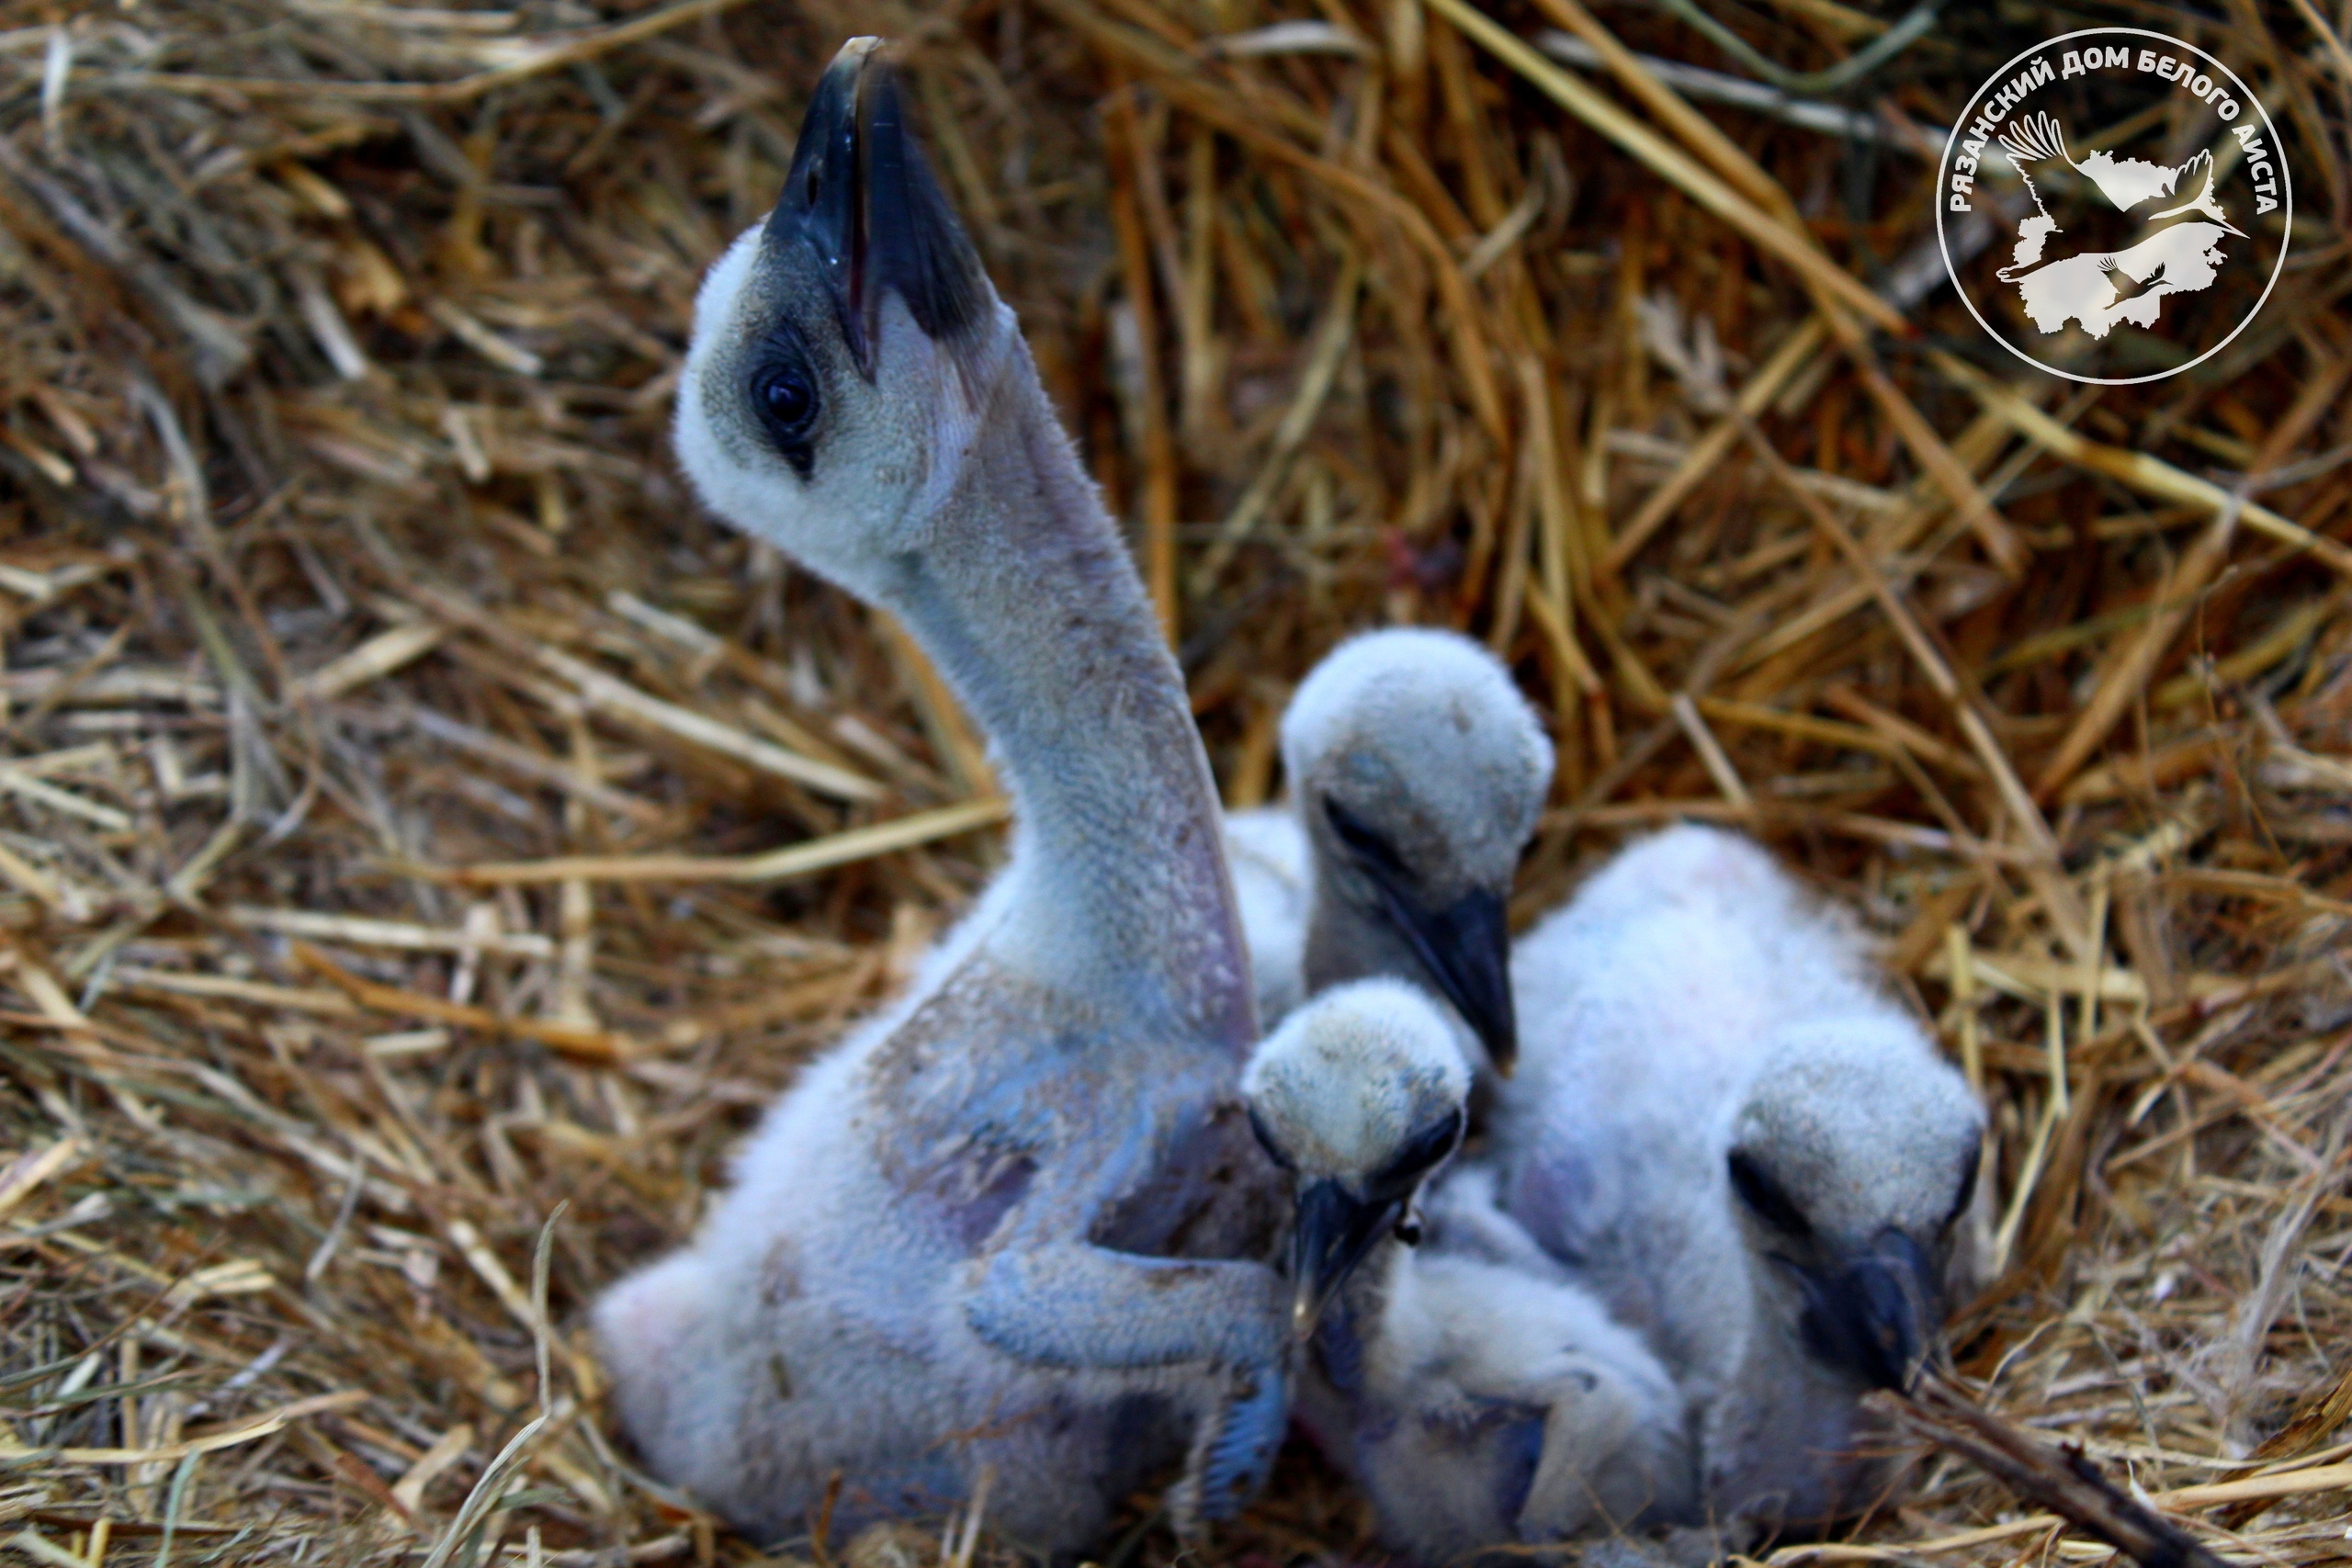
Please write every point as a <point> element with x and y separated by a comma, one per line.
<point>414,816</point>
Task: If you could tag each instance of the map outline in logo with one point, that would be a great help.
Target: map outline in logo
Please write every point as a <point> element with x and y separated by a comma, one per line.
<point>2059,292</point>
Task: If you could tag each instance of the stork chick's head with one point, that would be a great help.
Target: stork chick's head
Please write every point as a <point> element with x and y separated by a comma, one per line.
<point>1361,1095</point>
<point>1851,1164</point>
<point>1418,771</point>
<point>844,350</point>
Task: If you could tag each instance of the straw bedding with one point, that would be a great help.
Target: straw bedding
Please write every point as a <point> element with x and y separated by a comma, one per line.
<point>424,841</point>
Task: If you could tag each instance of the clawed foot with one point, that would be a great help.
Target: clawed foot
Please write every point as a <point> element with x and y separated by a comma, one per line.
<point>1232,1453</point>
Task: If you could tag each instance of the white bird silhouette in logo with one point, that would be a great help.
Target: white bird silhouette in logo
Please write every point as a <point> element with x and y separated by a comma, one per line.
<point>2099,288</point>
<point>2038,140</point>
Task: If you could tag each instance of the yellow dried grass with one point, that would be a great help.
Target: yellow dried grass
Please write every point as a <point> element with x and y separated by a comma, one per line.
<point>398,781</point>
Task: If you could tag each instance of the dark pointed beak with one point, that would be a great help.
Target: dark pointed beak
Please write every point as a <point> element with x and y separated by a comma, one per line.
<point>1879,1314</point>
<point>862,201</point>
<point>1333,1231</point>
<point>1466,949</point>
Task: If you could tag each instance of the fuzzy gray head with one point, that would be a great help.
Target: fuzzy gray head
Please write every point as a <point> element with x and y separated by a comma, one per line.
<point>843,351</point>
<point>1863,1125</point>
<point>1361,1094</point>
<point>1851,1161</point>
<point>1420,736</point>
<point>1362,1074</point>
<point>1417,770</point>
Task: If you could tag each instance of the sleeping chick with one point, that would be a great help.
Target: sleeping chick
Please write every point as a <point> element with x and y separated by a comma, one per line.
<point>1725,1128</point>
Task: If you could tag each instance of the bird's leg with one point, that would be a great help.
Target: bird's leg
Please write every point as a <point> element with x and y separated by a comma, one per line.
<point>1233,1448</point>
<point>1073,1304</point>
<point>1587,1425</point>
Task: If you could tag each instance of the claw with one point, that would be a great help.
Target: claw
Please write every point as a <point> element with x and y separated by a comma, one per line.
<point>1233,1454</point>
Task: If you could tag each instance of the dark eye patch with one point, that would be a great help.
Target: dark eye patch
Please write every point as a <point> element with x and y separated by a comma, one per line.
<point>1968,1171</point>
<point>783,388</point>
<point>1375,852</point>
<point>1423,1150</point>
<point>1765,1198</point>
<point>1266,1141</point>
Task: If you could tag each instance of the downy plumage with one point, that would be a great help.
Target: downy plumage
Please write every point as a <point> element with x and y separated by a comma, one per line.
<point>1014,1225</point>
<point>1725,1127</point>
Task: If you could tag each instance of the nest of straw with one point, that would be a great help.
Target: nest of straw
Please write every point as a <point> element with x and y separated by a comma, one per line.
<point>425,842</point>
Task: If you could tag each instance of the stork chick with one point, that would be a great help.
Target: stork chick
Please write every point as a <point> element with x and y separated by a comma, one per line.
<point>1726,1128</point>
<point>1009,1227</point>
<point>1482,1399</point>
<point>1416,773</point>
<point>1360,1094</point>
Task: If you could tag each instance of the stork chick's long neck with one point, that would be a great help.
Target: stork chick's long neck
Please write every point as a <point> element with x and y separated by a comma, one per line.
<point>1026,600</point>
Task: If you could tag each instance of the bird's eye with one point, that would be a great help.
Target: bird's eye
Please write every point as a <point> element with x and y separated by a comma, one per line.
<point>1421,1152</point>
<point>784,391</point>
<point>1368,847</point>
<point>786,400</point>
<point>1266,1141</point>
<point>1765,1198</point>
<point>1968,1174</point>
<point>1408,1230</point>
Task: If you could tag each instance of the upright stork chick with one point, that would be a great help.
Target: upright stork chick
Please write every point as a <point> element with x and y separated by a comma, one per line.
<point>1482,1399</point>
<point>1009,1227</point>
<point>1416,773</point>
<point>1727,1129</point>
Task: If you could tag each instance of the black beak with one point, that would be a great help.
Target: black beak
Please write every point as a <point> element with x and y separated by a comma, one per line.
<point>1466,949</point>
<point>1333,1231</point>
<point>860,197</point>
<point>1878,1316</point>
